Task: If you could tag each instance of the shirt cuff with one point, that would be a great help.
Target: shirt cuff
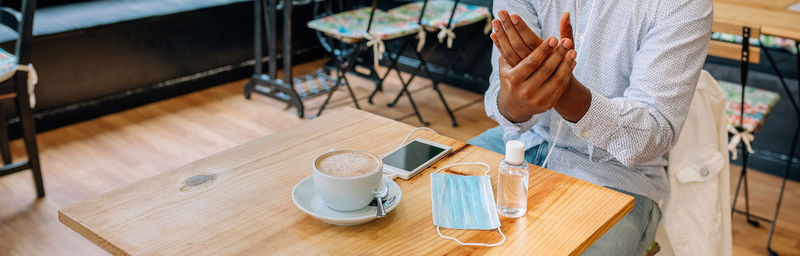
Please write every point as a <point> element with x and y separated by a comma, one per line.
<point>599,122</point>
<point>510,127</point>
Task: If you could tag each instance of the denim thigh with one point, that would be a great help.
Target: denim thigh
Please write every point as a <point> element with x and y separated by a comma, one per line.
<point>634,233</point>
<point>492,140</point>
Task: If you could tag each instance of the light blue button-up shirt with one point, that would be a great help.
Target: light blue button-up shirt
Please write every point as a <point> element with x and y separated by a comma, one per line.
<point>641,59</point>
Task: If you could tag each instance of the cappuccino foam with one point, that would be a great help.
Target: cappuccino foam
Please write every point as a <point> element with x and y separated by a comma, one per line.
<point>347,164</point>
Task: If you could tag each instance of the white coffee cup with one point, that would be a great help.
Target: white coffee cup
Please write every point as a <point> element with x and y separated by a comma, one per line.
<point>347,193</point>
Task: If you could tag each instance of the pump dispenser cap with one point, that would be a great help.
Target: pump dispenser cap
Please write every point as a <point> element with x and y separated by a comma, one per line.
<point>515,151</point>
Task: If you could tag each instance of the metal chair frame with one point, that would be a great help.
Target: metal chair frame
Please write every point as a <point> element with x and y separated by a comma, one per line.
<point>24,27</point>
<point>752,219</point>
<point>423,65</point>
<point>287,89</point>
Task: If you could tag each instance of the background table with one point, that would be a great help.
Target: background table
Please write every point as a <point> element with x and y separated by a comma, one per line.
<point>245,206</point>
<point>771,15</point>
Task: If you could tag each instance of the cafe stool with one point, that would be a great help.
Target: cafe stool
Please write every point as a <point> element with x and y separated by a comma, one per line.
<point>19,87</point>
<point>443,17</point>
<point>355,31</point>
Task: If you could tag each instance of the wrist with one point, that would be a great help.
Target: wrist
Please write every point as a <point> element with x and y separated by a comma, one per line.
<point>508,112</point>
<point>574,102</point>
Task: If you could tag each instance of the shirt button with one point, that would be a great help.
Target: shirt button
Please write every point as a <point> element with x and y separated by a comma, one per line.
<point>585,134</point>
<point>704,172</point>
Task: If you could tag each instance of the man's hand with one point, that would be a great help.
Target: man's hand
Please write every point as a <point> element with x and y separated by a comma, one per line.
<point>536,74</point>
<point>513,37</point>
<point>537,82</point>
<point>519,39</point>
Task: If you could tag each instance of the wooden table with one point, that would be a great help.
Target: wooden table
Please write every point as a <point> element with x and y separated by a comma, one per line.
<point>245,206</point>
<point>771,15</point>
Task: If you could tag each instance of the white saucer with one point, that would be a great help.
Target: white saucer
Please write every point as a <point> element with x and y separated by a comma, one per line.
<point>304,195</point>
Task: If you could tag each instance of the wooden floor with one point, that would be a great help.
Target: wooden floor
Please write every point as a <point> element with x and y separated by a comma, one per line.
<point>93,157</point>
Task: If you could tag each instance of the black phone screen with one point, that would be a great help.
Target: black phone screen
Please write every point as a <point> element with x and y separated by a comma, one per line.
<point>412,155</point>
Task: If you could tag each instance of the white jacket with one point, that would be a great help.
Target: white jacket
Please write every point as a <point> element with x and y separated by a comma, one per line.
<point>697,218</point>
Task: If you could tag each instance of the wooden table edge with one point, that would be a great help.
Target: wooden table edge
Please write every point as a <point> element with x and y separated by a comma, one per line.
<point>766,29</point>
<point>89,235</point>
<point>606,226</point>
<point>782,32</point>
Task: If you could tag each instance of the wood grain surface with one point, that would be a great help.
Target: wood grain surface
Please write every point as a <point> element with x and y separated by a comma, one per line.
<point>732,51</point>
<point>771,15</point>
<point>245,206</point>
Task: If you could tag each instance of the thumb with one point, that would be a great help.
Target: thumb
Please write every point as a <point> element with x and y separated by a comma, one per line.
<point>503,65</point>
<point>566,26</point>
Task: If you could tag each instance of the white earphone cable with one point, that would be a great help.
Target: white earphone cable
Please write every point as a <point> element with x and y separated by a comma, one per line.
<point>392,175</point>
<point>555,141</point>
<point>580,49</point>
<point>412,132</point>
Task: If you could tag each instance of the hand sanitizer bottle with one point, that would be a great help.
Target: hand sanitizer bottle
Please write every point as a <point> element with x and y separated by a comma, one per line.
<point>512,182</point>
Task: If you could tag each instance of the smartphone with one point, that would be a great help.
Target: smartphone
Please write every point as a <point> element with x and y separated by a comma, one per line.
<point>410,159</point>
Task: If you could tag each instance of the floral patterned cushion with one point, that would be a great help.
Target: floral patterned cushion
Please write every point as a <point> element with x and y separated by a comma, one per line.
<point>772,42</point>
<point>353,25</point>
<point>8,63</point>
<point>758,104</point>
<point>437,13</point>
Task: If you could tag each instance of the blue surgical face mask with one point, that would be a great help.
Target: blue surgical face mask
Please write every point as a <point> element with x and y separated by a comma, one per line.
<point>464,202</point>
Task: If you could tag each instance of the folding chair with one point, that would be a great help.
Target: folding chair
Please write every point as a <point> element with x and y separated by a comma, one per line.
<point>747,109</point>
<point>19,87</point>
<point>355,31</point>
<point>292,90</point>
<point>442,17</point>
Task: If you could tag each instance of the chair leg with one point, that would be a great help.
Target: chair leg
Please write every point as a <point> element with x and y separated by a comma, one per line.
<point>783,188</point>
<point>5,148</point>
<point>29,131</point>
<point>327,98</point>
<point>750,220</point>
<point>350,90</point>
<point>743,69</point>
<point>424,66</point>
<point>416,111</point>
<point>346,64</point>
<point>408,93</point>
<point>392,66</point>
<point>791,152</point>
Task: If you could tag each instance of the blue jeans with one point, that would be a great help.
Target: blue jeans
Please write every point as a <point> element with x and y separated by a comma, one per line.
<point>632,235</point>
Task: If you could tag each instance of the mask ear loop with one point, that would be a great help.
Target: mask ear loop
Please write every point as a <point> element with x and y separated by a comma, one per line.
<point>488,168</point>
<point>473,244</point>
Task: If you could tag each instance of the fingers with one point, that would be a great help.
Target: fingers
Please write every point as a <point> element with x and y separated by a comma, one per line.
<point>525,32</point>
<point>557,83</point>
<point>565,26</point>
<point>505,48</point>
<point>532,62</point>
<point>514,38</point>
<point>493,36</point>
<point>551,63</point>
